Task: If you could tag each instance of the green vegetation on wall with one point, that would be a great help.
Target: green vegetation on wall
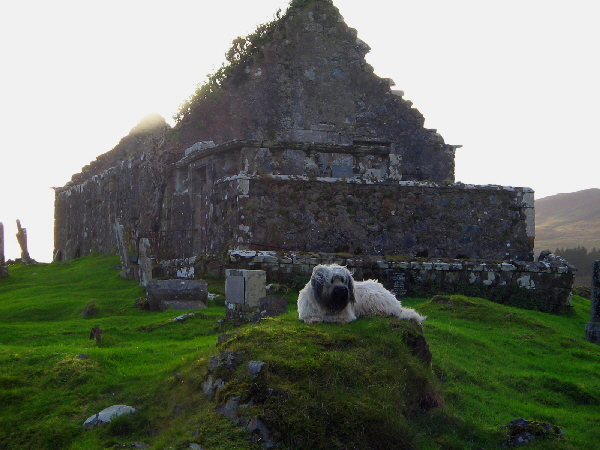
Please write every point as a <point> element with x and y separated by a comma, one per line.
<point>241,52</point>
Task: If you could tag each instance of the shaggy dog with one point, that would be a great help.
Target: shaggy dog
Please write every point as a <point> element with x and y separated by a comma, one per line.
<point>333,296</point>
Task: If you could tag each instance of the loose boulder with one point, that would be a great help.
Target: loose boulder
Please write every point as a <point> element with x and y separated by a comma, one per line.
<point>106,415</point>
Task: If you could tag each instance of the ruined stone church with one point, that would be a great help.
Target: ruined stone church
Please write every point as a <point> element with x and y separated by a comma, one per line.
<point>294,145</point>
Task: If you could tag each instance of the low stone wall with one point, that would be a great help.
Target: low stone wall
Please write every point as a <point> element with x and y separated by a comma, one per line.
<point>538,285</point>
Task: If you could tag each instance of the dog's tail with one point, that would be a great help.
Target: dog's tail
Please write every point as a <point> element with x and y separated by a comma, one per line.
<point>410,314</point>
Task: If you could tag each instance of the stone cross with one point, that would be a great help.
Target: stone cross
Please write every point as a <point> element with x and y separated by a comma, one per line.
<point>2,260</point>
<point>592,329</point>
<point>22,238</point>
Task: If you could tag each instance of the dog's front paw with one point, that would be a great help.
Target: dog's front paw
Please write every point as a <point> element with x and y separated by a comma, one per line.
<point>312,319</point>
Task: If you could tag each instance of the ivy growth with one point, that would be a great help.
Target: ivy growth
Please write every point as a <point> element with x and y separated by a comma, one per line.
<point>241,52</point>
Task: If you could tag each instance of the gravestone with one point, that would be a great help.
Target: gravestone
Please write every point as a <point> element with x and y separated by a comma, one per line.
<point>2,260</point>
<point>22,239</point>
<point>398,282</point>
<point>176,294</point>
<point>144,261</point>
<point>3,269</point>
<point>123,249</point>
<point>245,290</point>
<point>245,287</point>
<point>592,329</point>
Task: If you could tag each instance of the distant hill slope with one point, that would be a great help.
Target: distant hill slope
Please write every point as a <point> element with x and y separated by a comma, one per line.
<point>568,220</point>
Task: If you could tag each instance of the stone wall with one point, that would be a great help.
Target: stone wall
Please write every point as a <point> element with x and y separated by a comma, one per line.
<point>539,285</point>
<point>314,152</point>
<point>291,196</point>
<point>418,219</point>
<point>308,81</point>
<point>85,214</point>
<point>340,198</point>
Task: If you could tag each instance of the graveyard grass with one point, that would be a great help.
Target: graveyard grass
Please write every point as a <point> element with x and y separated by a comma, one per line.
<point>492,364</point>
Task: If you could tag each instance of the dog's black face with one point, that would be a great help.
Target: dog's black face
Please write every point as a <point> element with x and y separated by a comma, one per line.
<point>333,287</point>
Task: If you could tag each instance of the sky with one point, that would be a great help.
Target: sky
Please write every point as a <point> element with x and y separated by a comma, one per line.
<point>516,83</point>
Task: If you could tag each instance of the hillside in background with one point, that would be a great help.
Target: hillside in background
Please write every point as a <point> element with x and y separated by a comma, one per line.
<point>568,221</point>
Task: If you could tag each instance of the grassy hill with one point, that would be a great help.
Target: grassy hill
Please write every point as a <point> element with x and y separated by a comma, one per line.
<point>325,386</point>
<point>568,221</point>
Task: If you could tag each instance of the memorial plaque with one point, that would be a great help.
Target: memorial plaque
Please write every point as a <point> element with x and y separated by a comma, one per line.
<point>235,289</point>
<point>398,282</point>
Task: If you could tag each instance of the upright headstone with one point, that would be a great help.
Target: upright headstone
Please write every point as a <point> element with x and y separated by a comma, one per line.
<point>3,269</point>
<point>122,248</point>
<point>245,287</point>
<point>22,238</point>
<point>592,329</point>
<point>245,290</point>
<point>2,260</point>
<point>144,261</point>
<point>398,282</point>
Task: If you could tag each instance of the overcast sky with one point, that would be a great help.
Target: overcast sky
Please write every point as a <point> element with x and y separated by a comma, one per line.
<point>515,82</point>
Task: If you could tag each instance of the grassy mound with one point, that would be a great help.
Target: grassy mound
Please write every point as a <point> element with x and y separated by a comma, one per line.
<point>359,386</point>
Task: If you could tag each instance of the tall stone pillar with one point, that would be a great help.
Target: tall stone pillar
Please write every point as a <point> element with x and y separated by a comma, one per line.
<point>22,239</point>
<point>2,260</point>
<point>592,329</point>
<point>3,268</point>
<point>144,261</point>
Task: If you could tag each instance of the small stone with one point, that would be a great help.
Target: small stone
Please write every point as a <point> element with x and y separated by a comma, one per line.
<point>255,368</point>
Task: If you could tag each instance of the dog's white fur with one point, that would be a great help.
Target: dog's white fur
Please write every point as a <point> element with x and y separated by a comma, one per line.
<point>365,298</point>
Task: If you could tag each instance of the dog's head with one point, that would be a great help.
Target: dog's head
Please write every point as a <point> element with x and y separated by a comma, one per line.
<point>333,287</point>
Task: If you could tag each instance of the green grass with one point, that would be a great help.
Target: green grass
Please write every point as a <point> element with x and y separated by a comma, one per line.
<point>336,384</point>
<point>499,363</point>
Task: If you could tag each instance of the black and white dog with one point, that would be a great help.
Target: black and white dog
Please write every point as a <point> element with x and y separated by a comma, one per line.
<point>333,296</point>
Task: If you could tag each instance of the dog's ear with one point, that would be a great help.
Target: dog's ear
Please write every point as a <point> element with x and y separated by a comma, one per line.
<point>317,281</point>
<point>351,298</point>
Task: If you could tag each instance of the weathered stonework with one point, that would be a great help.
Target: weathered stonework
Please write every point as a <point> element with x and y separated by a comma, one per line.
<point>342,198</point>
<point>307,80</point>
<point>3,269</point>
<point>549,284</point>
<point>2,258</point>
<point>299,146</point>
